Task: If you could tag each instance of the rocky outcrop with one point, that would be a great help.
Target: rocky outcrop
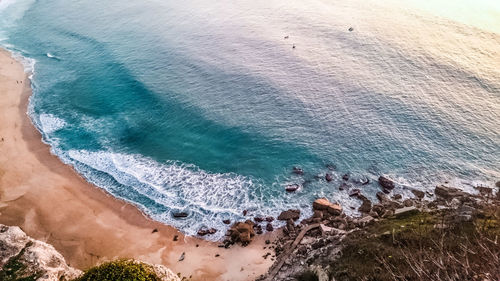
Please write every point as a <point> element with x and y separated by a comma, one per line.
<point>24,257</point>
<point>289,215</point>
<point>241,232</point>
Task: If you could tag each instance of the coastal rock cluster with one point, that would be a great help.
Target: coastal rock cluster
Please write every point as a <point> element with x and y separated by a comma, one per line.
<point>312,245</point>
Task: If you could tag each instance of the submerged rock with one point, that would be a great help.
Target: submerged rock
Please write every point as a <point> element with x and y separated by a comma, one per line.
<point>297,171</point>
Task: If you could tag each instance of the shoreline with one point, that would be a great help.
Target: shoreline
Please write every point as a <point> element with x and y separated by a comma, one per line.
<point>51,202</point>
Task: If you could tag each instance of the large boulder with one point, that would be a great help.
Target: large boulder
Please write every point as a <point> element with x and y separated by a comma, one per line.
<point>386,183</point>
<point>289,215</point>
<point>321,204</point>
<point>449,193</point>
<point>242,232</point>
<point>26,258</point>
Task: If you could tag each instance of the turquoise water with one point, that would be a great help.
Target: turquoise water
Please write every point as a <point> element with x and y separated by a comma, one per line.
<point>205,107</point>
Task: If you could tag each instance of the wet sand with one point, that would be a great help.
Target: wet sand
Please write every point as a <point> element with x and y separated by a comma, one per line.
<point>51,202</point>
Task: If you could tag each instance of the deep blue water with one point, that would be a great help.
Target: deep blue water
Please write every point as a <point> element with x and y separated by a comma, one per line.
<point>205,107</point>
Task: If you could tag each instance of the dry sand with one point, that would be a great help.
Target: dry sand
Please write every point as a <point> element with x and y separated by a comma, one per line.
<point>51,202</point>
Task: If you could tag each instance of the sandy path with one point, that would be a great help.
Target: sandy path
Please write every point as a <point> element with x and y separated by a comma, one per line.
<point>51,202</point>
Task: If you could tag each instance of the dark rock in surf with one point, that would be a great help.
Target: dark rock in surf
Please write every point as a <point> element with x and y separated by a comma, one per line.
<point>180,214</point>
<point>270,219</point>
<point>328,177</point>
<point>386,183</point>
<point>226,221</point>
<point>292,187</point>
<point>354,192</point>
<point>345,177</point>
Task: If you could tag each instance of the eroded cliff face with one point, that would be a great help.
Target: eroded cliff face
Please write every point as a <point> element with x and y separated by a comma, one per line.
<point>24,257</point>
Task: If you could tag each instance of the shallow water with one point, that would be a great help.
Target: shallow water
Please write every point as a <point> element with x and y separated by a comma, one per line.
<point>205,107</point>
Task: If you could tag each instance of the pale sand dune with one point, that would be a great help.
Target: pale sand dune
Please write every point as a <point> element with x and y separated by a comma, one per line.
<point>51,202</point>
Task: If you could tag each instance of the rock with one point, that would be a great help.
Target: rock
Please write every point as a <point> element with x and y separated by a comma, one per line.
<point>365,220</point>
<point>298,171</point>
<point>497,184</point>
<point>388,213</point>
<point>318,214</point>
<point>182,257</point>
<point>245,212</point>
<point>325,229</point>
<point>397,197</point>
<point>405,211</point>
<point>408,203</point>
<point>366,206</point>
<point>448,193</point>
<point>351,29</point>
<point>154,230</point>
<point>242,232</point>
<point>269,227</point>
<point>328,177</point>
<point>335,209</point>
<point>379,209</point>
<point>365,181</point>
<point>485,191</point>
<point>270,219</point>
<point>292,187</point>
<point>382,198</point>
<point>321,204</point>
<point>258,219</point>
<point>386,183</point>
<point>180,214</point>
<point>419,194</point>
<point>226,221</point>
<point>289,214</point>
<point>354,192</point>
<point>32,257</point>
<point>205,231</point>
<point>345,177</point>
<point>176,237</point>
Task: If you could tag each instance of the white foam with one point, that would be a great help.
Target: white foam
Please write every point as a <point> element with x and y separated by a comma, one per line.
<point>50,123</point>
<point>208,197</point>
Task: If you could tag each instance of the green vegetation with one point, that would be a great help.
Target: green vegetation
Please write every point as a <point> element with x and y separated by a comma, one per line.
<point>123,270</point>
<point>424,246</point>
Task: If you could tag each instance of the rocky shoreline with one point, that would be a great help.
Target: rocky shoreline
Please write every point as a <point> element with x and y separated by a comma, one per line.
<point>310,247</point>
<point>306,251</point>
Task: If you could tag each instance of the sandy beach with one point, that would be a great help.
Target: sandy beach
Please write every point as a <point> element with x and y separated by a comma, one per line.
<point>51,202</point>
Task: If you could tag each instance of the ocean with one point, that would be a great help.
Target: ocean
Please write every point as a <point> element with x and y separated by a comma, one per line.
<point>205,107</point>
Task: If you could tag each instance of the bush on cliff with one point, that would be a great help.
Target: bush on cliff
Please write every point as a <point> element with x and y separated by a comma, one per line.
<point>124,270</point>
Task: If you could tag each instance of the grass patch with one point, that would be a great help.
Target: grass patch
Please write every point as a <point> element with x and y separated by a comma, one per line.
<point>124,270</point>
<point>423,246</point>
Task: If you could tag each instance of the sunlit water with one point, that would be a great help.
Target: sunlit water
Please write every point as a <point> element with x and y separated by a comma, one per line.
<point>205,107</point>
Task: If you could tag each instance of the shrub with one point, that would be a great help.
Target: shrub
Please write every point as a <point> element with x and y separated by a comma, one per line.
<point>124,270</point>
